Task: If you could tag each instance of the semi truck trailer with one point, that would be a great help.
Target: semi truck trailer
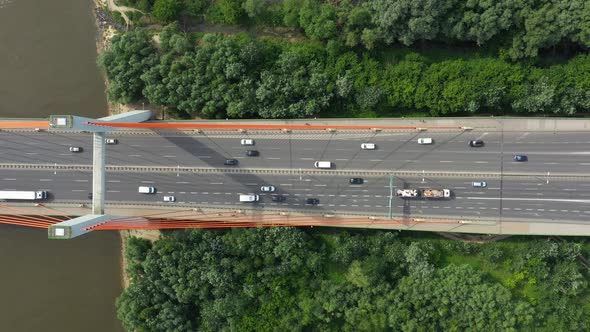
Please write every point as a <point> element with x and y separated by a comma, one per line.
<point>424,193</point>
<point>23,195</point>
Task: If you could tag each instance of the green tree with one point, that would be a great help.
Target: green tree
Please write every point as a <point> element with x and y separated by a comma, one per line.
<point>318,20</point>
<point>294,88</point>
<point>166,10</point>
<point>129,56</point>
<point>253,8</point>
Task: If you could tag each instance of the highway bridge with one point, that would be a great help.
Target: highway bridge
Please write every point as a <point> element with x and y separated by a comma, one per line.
<point>548,194</point>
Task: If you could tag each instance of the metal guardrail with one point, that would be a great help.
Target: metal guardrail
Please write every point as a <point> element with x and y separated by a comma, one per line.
<point>296,172</point>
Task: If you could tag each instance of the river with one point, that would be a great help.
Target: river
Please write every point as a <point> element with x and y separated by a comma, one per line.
<point>48,59</point>
<point>48,66</point>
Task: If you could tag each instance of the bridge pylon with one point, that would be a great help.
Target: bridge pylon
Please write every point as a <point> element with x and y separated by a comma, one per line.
<point>78,226</point>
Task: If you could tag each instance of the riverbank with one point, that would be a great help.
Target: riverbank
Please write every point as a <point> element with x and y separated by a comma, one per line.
<point>150,235</point>
<point>107,28</point>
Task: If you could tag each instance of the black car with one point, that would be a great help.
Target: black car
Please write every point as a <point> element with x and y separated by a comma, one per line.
<point>89,195</point>
<point>312,201</point>
<point>520,157</point>
<point>252,153</point>
<point>230,162</point>
<point>278,198</point>
<point>356,181</point>
<point>476,143</point>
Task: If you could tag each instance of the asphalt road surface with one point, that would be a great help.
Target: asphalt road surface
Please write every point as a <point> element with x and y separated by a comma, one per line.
<point>547,152</point>
<point>550,152</point>
<point>530,198</point>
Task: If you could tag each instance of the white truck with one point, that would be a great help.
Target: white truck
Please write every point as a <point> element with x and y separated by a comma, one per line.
<point>407,193</point>
<point>23,195</point>
<point>249,198</point>
<point>323,164</point>
<point>424,193</point>
<point>436,193</point>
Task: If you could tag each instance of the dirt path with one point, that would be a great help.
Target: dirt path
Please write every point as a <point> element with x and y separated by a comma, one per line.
<point>122,9</point>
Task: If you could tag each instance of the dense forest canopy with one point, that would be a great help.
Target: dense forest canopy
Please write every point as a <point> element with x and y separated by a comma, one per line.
<point>517,28</point>
<point>241,76</point>
<point>293,279</point>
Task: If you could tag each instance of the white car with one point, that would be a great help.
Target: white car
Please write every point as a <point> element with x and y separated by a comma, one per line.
<point>267,189</point>
<point>425,140</point>
<point>76,149</point>
<point>169,199</point>
<point>368,146</point>
<point>111,141</point>
<point>479,184</point>
<point>247,141</point>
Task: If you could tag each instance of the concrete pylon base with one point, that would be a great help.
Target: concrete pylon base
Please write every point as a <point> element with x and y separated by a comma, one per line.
<point>72,228</point>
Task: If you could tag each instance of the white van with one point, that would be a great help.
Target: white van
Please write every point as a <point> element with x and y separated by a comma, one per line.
<point>368,146</point>
<point>249,198</point>
<point>247,141</point>
<point>323,164</point>
<point>425,140</point>
<point>147,190</point>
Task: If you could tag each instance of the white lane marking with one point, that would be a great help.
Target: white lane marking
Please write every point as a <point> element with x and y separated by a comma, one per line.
<point>136,146</point>
<point>31,153</point>
<point>445,161</point>
<point>481,162</point>
<point>570,189</point>
<point>182,182</point>
<point>251,184</point>
<point>320,185</point>
<point>45,179</point>
<point>534,199</point>
<point>273,158</point>
<point>341,159</point>
<point>306,158</point>
<point>584,164</point>
<point>216,193</point>
<point>9,179</point>
<point>133,155</point>
<point>147,181</point>
<point>169,156</point>
<point>216,183</point>
<point>376,160</point>
<point>76,190</point>
<point>113,191</point>
<point>65,154</point>
<point>81,180</point>
<point>550,163</point>
<point>285,184</point>
<point>457,187</point>
<point>203,157</point>
<point>113,181</point>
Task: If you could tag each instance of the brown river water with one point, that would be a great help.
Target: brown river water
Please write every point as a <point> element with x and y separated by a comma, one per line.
<point>48,66</point>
